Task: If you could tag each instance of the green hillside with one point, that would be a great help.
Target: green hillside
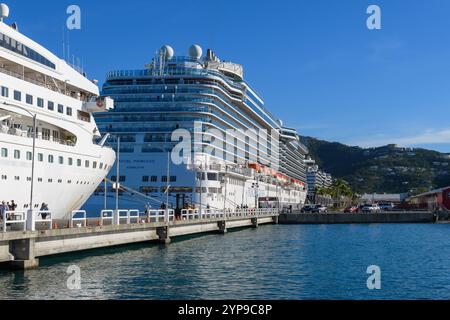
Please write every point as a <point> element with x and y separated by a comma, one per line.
<point>386,169</point>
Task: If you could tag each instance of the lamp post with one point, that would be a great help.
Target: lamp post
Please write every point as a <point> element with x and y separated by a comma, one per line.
<point>34,116</point>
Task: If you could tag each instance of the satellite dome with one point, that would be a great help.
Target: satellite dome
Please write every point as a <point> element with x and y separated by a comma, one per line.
<point>4,11</point>
<point>195,51</point>
<point>167,51</point>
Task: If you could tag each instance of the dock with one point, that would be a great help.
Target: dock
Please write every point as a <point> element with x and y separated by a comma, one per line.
<point>357,218</point>
<point>24,240</point>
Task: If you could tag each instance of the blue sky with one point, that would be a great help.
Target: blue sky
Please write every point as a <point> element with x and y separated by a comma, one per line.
<point>314,62</point>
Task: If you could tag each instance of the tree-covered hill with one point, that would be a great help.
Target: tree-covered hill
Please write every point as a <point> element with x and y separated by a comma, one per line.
<point>388,169</point>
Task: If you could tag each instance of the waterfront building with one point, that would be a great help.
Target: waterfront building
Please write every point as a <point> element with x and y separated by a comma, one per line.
<point>239,154</point>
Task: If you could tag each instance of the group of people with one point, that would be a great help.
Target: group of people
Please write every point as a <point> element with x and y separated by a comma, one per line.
<point>6,207</point>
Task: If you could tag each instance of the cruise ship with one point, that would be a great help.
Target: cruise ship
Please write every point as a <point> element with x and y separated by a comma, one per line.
<point>48,148</point>
<point>192,133</point>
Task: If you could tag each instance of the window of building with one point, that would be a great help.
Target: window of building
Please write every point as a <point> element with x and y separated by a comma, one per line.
<point>60,108</point>
<point>29,99</point>
<point>45,134</point>
<point>40,102</point>
<point>17,95</point>
<point>5,92</point>
<point>50,106</point>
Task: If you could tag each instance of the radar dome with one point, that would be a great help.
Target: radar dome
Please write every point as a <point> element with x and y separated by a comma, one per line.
<point>167,51</point>
<point>280,123</point>
<point>195,51</point>
<point>4,11</point>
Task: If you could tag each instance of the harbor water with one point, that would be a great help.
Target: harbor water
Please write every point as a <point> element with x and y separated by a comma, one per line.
<point>271,262</point>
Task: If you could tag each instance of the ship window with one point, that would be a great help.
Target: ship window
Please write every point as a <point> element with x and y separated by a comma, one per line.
<point>113,178</point>
<point>40,157</point>
<point>40,102</point>
<point>17,95</point>
<point>69,111</point>
<point>86,164</point>
<point>55,135</point>
<point>164,179</point>
<point>212,177</point>
<point>51,159</point>
<point>4,152</point>
<point>173,179</point>
<point>16,154</point>
<point>4,177</point>
<point>29,156</point>
<point>45,134</point>
<point>60,108</point>
<point>51,106</point>
<point>29,99</point>
<point>61,160</point>
<point>84,116</point>
<point>70,162</point>
<point>145,179</point>
<point>122,178</point>
<point>101,165</point>
<point>94,165</point>
<point>5,92</point>
<point>154,179</point>
<point>79,162</point>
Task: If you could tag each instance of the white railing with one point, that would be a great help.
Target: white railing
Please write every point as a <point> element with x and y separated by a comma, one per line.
<point>106,215</point>
<point>47,220</point>
<point>83,218</point>
<point>189,214</point>
<point>160,216</point>
<point>78,218</point>
<point>14,218</point>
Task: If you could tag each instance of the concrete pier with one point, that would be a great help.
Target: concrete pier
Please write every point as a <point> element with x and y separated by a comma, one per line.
<point>357,218</point>
<point>21,249</point>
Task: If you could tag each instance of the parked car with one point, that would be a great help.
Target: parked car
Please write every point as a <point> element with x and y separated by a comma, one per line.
<point>319,209</point>
<point>371,208</point>
<point>352,209</point>
<point>307,209</point>
<point>387,206</point>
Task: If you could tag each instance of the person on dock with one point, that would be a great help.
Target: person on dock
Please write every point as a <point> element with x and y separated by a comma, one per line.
<point>4,208</point>
<point>13,206</point>
<point>43,212</point>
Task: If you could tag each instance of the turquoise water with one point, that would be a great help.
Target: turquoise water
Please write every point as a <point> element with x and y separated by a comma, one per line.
<point>272,262</point>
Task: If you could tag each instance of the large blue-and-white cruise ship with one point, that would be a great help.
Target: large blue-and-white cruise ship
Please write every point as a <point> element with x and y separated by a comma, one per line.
<point>226,150</point>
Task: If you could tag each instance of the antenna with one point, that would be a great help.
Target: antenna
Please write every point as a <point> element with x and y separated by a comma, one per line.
<point>63,43</point>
